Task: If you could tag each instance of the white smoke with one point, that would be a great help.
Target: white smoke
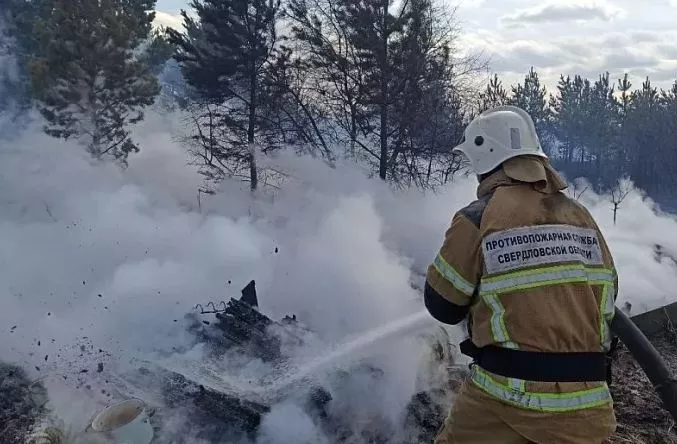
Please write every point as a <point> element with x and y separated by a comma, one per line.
<point>119,257</point>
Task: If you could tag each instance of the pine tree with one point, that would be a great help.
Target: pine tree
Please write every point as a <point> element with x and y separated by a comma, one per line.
<point>7,47</point>
<point>602,122</point>
<point>157,50</point>
<point>625,90</point>
<point>644,128</point>
<point>374,32</point>
<point>532,97</point>
<point>624,136</point>
<point>7,43</point>
<point>426,114</point>
<point>224,55</point>
<point>17,44</point>
<point>21,16</point>
<point>494,95</point>
<point>293,113</point>
<point>88,82</point>
<point>349,46</point>
<point>570,122</point>
<point>668,145</point>
<point>387,77</point>
<point>606,135</point>
<point>321,34</point>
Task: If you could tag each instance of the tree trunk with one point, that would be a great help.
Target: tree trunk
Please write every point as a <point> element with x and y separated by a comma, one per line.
<point>383,163</point>
<point>253,173</point>
<point>353,130</point>
<point>93,147</point>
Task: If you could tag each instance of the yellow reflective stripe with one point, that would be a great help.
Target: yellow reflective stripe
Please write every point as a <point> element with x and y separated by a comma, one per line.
<point>498,328</point>
<point>605,335</point>
<point>451,275</point>
<point>610,307</point>
<point>525,280</point>
<point>517,384</point>
<point>544,402</point>
<point>607,311</point>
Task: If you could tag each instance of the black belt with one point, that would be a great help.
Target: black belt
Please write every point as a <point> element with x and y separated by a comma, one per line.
<point>539,366</point>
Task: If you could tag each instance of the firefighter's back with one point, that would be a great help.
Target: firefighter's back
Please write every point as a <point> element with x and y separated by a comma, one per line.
<point>539,280</point>
<point>540,317</point>
<point>550,269</point>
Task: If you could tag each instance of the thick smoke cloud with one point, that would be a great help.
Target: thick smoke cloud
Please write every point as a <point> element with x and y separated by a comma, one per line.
<point>117,258</point>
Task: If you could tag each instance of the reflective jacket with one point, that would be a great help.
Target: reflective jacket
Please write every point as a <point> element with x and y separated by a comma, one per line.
<point>533,271</point>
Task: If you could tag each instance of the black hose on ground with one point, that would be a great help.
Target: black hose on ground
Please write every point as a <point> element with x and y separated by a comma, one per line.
<point>649,359</point>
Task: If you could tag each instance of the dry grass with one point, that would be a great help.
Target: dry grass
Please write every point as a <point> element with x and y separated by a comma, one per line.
<point>639,411</point>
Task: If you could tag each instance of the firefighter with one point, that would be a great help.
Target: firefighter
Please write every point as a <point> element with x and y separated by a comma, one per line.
<point>531,272</point>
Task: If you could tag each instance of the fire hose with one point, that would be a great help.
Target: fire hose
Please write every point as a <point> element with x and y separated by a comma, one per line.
<point>649,359</point>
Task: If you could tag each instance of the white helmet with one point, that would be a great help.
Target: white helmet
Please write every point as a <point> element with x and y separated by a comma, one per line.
<point>497,135</point>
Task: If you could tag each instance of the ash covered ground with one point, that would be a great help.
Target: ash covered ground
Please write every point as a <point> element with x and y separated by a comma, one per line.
<point>199,407</point>
<point>188,411</point>
<point>639,412</point>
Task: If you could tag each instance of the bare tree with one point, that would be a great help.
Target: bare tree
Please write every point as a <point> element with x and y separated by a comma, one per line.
<point>578,188</point>
<point>619,193</point>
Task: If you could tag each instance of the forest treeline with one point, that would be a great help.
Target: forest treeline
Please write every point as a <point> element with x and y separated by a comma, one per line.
<point>388,87</point>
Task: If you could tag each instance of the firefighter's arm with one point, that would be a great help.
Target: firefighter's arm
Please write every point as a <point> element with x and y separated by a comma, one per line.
<point>454,274</point>
<point>609,262</point>
<point>612,292</point>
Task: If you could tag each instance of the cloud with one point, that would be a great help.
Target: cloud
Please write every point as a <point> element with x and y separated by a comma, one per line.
<point>668,51</point>
<point>664,74</point>
<point>471,3</point>
<point>569,11</point>
<point>169,20</point>
<point>625,39</point>
<point>624,58</point>
<point>521,54</point>
<point>638,52</point>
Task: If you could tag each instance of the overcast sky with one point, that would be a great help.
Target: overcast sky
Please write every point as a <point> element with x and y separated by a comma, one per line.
<point>584,37</point>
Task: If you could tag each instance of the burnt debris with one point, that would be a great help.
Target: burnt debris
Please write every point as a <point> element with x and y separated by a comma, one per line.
<point>240,326</point>
<point>22,404</point>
